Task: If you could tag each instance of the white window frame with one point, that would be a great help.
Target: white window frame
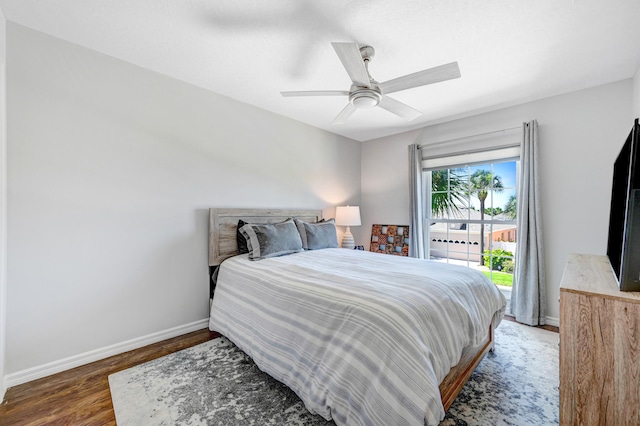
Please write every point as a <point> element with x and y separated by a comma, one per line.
<point>464,159</point>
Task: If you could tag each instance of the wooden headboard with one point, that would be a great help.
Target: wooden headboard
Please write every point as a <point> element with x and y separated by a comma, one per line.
<point>223,225</point>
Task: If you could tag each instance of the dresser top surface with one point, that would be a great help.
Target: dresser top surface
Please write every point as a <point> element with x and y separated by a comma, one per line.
<point>592,274</point>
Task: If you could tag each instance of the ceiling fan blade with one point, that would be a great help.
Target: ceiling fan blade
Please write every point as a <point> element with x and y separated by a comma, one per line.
<point>422,78</point>
<point>399,109</point>
<point>344,114</point>
<point>316,93</point>
<point>349,54</point>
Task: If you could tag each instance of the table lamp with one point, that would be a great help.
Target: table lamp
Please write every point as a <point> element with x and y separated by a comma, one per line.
<point>348,216</point>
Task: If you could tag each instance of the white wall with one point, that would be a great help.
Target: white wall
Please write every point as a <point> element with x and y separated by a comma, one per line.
<point>580,135</point>
<point>636,95</point>
<point>111,170</point>
<point>3,204</point>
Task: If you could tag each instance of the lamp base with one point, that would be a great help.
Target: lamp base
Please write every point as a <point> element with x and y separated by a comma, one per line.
<point>347,240</point>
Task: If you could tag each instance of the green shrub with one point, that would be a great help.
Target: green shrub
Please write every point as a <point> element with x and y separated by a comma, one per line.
<point>499,260</point>
<point>507,266</point>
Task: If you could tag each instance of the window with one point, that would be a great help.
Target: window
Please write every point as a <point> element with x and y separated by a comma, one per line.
<point>471,217</point>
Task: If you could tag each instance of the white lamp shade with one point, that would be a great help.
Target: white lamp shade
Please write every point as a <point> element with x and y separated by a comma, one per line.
<point>348,216</point>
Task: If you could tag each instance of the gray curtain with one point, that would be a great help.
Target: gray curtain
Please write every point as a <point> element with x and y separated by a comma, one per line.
<point>416,236</point>
<point>528,297</point>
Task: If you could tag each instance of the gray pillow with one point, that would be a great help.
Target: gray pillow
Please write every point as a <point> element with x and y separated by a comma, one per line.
<point>271,240</point>
<point>317,235</point>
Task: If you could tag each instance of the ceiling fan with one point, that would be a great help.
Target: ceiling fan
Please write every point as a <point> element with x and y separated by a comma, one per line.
<point>365,92</point>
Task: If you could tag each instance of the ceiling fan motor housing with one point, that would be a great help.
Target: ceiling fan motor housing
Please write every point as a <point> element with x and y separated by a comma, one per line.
<point>364,98</point>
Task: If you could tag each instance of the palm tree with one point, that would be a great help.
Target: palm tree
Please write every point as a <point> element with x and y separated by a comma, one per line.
<point>510,207</point>
<point>493,211</point>
<point>482,181</point>
<point>447,192</point>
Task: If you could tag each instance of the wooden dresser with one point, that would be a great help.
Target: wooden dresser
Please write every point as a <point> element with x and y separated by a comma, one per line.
<point>599,346</point>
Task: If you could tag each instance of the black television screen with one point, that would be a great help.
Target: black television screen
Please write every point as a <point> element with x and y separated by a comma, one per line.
<point>624,217</point>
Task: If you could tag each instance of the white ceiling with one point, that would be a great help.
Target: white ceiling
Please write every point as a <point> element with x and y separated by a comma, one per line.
<point>508,51</point>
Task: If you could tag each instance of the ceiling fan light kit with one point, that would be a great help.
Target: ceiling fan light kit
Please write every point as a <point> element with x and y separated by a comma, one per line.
<point>365,98</point>
<point>367,93</point>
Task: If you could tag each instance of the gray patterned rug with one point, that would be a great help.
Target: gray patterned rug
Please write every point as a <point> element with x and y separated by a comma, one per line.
<point>215,383</point>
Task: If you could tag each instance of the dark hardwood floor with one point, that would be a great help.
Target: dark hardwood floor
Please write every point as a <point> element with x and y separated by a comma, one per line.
<point>81,396</point>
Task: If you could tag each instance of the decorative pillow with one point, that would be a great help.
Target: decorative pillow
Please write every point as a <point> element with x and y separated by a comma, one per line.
<point>318,235</point>
<point>242,241</point>
<point>271,240</point>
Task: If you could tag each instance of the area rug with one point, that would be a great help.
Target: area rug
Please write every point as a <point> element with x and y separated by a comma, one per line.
<point>215,383</point>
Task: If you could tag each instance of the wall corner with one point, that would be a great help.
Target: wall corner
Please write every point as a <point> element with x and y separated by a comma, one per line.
<point>3,203</point>
<point>635,98</point>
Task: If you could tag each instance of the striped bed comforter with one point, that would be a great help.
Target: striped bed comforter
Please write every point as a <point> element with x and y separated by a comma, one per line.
<point>362,338</point>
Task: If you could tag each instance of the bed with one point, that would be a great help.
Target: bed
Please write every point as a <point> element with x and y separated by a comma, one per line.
<point>362,338</point>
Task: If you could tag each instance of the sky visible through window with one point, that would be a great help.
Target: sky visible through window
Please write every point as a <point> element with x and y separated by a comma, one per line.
<point>507,173</point>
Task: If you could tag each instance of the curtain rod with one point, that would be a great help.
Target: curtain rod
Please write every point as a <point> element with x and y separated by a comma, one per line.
<point>511,129</point>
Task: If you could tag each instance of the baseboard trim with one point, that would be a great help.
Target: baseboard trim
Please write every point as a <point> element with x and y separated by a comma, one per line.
<point>552,321</point>
<point>64,364</point>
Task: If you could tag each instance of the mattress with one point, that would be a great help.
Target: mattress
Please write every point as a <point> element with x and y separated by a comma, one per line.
<point>362,338</point>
